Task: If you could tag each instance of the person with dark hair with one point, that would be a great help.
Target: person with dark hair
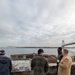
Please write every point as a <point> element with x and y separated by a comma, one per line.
<point>65,64</point>
<point>60,53</point>
<point>40,51</point>
<point>5,64</point>
<point>39,64</point>
<point>59,56</point>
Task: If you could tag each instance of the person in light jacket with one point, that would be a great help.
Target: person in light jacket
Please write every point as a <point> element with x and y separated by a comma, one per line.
<point>65,64</point>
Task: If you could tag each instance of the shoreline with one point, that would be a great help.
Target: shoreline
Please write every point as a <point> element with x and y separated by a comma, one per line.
<point>43,47</point>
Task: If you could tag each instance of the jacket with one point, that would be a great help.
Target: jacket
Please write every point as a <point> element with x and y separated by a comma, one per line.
<point>65,65</point>
<point>59,59</point>
<point>40,65</point>
<point>5,66</point>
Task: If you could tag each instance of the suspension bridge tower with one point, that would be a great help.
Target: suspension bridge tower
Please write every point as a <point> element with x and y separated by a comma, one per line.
<point>63,43</point>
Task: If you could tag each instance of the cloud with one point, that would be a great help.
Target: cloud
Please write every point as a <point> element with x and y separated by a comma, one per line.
<point>36,22</point>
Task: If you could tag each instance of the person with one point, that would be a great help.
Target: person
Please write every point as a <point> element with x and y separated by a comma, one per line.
<point>59,56</point>
<point>39,64</point>
<point>65,64</point>
<point>5,64</point>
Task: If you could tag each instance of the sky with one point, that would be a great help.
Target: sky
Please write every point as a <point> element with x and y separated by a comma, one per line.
<point>36,22</point>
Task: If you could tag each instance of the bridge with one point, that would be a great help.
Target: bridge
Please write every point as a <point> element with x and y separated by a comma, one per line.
<point>68,44</point>
<point>63,43</point>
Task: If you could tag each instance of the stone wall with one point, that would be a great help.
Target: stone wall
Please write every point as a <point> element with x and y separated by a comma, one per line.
<point>20,73</point>
<point>51,58</point>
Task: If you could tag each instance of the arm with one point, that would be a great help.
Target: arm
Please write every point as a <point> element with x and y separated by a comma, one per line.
<point>10,66</point>
<point>64,64</point>
<point>32,64</point>
<point>60,57</point>
<point>46,66</point>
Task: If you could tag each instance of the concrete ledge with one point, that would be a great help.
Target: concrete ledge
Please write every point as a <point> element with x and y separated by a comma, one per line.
<point>52,70</point>
<point>54,64</point>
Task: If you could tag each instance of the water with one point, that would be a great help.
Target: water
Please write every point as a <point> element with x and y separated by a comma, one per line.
<point>51,51</point>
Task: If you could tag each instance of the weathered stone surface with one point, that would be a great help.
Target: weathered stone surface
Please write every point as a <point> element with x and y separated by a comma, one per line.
<point>73,70</point>
<point>52,59</point>
<point>22,56</point>
<point>20,73</point>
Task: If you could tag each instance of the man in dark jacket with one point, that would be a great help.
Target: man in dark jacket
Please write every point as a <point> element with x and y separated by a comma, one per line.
<point>59,56</point>
<point>39,64</point>
<point>5,64</point>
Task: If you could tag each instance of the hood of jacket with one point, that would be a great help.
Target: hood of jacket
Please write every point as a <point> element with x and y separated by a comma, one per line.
<point>3,60</point>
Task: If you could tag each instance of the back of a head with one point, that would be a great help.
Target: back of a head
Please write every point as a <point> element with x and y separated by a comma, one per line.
<point>40,51</point>
<point>3,58</point>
